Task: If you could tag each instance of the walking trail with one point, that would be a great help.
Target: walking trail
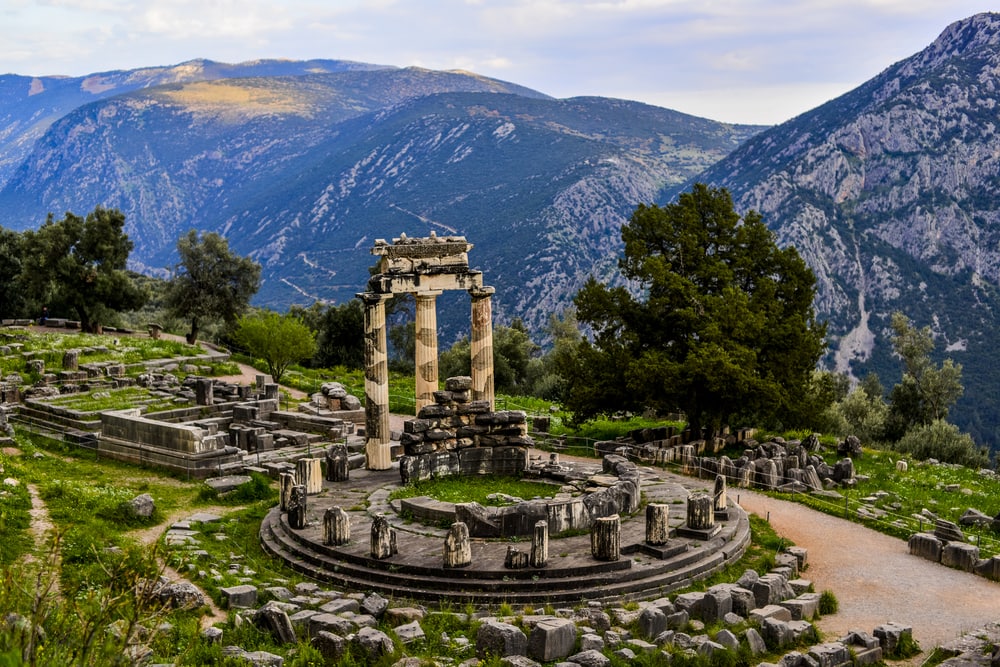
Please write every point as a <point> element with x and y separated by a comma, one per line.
<point>875,578</point>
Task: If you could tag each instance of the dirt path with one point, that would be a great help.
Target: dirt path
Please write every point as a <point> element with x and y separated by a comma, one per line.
<point>41,528</point>
<point>875,578</point>
<point>148,536</point>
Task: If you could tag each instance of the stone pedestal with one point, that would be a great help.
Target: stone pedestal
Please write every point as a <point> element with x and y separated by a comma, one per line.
<point>383,538</point>
<point>286,481</point>
<point>336,527</point>
<point>426,348</point>
<point>540,544</point>
<point>377,449</point>
<point>657,524</point>
<point>297,507</point>
<point>309,473</point>
<point>700,518</point>
<point>203,394</point>
<point>337,463</point>
<point>482,345</point>
<point>605,538</point>
<point>457,546</point>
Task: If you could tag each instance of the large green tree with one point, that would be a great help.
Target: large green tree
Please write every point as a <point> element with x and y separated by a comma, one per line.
<point>716,320</point>
<point>280,340</point>
<point>210,282</point>
<point>79,263</point>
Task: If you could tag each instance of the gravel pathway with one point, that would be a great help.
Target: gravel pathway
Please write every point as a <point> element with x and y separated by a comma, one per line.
<point>875,578</point>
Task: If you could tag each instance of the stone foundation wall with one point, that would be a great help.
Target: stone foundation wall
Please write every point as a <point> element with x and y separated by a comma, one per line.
<point>459,436</point>
<point>130,426</point>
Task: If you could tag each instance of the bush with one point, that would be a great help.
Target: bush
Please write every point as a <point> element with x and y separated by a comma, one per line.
<point>944,442</point>
<point>828,603</point>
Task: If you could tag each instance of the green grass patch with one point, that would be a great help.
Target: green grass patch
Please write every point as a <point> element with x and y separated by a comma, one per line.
<point>460,489</point>
<point>114,399</point>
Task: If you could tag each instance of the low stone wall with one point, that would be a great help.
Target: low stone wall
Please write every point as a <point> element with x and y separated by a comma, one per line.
<point>128,436</point>
<point>458,436</point>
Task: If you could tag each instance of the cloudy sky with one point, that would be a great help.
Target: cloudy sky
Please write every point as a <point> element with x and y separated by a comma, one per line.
<point>751,61</point>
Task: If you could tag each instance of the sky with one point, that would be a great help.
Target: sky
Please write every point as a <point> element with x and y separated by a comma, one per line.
<point>739,61</point>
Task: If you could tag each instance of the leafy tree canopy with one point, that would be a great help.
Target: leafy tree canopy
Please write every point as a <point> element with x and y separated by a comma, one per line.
<point>79,264</point>
<point>210,282</point>
<point>719,322</point>
<point>927,390</point>
<point>280,340</point>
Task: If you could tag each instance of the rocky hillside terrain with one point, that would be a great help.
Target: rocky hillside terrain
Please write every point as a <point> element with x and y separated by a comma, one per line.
<point>304,172</point>
<point>890,193</point>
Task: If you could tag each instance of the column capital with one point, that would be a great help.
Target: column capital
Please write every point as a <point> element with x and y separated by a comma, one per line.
<point>481,291</point>
<point>431,293</point>
<point>372,298</point>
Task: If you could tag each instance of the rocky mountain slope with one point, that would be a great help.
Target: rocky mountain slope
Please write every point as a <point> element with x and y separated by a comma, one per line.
<point>304,172</point>
<point>891,194</point>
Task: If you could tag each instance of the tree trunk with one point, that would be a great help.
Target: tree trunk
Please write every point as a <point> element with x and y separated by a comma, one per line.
<point>192,337</point>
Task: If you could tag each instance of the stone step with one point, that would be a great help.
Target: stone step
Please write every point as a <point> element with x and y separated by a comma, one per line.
<point>593,581</point>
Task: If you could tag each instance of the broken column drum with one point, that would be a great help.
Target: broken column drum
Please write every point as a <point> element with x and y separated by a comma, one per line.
<point>540,544</point>
<point>297,507</point>
<point>423,267</point>
<point>336,527</point>
<point>657,524</point>
<point>605,538</point>
<point>286,481</point>
<point>457,546</point>
<point>337,463</point>
<point>309,473</point>
<point>700,512</point>
<point>383,538</point>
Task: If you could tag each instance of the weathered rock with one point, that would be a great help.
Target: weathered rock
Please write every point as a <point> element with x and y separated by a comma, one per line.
<point>891,635</point>
<point>590,658</point>
<point>142,506</point>
<point>960,556</point>
<point>776,633</point>
<point>181,595</point>
<point>383,538</point>
<point>552,639</point>
<point>373,643</point>
<point>755,642</point>
<point>500,639</point>
<point>948,531</point>
<point>652,622</point>
<point>332,647</point>
<point>274,620</point>
<point>926,546</point>
<point>239,596</point>
<point>409,632</point>
<point>374,605</point>
<point>297,507</point>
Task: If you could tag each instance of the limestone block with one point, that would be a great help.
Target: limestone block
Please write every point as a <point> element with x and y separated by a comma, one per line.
<point>776,633</point>
<point>552,639</point>
<point>770,611</point>
<point>691,603</point>
<point>755,642</point>
<point>948,531</point>
<point>373,644</point>
<point>239,596</point>
<point>652,622</point>
<point>331,623</point>
<point>500,640</point>
<point>890,635</point>
<point>926,545</point>
<point>567,515</point>
<point>830,654</point>
<point>802,608</point>
<point>960,556</point>
<point>410,632</point>
<point>271,618</point>
<point>331,646</point>
<point>716,604</point>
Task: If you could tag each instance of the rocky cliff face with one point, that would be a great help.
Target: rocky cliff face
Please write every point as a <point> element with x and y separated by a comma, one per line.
<point>890,193</point>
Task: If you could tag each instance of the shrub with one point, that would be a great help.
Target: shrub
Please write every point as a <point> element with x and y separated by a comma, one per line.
<point>828,603</point>
<point>943,441</point>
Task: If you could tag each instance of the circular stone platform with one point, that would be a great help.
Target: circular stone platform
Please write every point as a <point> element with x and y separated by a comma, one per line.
<point>417,572</point>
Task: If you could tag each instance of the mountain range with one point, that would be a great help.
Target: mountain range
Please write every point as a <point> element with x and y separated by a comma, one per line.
<point>889,192</point>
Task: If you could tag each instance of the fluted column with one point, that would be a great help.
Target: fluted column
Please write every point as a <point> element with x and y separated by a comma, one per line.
<point>426,352</point>
<point>377,450</point>
<point>482,344</point>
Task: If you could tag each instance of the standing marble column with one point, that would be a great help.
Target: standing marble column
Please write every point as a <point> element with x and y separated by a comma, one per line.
<point>377,450</point>
<point>482,344</point>
<point>426,348</point>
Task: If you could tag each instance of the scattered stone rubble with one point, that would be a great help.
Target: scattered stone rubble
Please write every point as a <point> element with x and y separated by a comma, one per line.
<point>769,612</point>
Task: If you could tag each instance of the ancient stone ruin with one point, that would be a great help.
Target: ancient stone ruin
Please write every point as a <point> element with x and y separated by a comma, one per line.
<point>424,267</point>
